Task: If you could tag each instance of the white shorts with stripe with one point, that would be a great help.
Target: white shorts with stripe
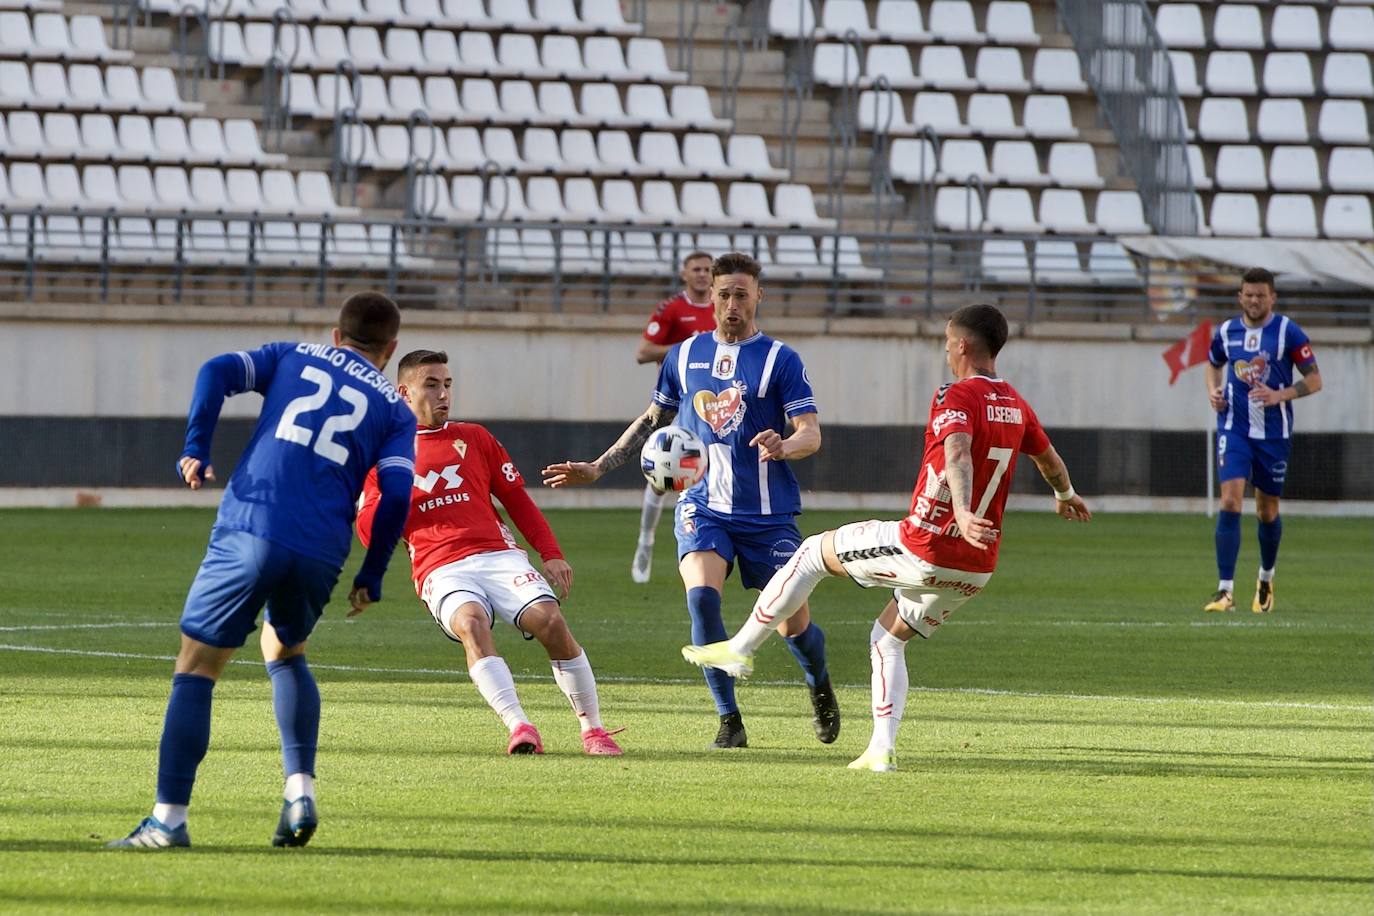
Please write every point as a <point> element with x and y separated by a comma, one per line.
<point>502,581</point>
<point>875,557</point>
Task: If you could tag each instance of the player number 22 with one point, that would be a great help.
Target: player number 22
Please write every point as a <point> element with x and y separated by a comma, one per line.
<point>1003,458</point>
<point>325,446</point>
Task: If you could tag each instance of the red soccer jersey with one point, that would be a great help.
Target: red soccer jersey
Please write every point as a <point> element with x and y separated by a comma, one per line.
<point>677,319</point>
<point>1002,424</point>
<point>459,467</point>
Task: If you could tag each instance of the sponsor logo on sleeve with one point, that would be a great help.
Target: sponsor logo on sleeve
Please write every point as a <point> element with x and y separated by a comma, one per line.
<point>948,417</point>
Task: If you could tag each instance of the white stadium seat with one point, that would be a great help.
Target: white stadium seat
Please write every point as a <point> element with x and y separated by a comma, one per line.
<point>1202,180</point>
<point>791,18</point>
<point>990,115</point>
<point>1221,120</point>
<point>1110,265</point>
<point>659,150</point>
<point>1241,168</point>
<point>1000,69</point>
<point>1237,25</point>
<point>1351,28</point>
<point>1074,165</point>
<point>1009,22</point>
<point>1010,210</point>
<point>747,155</point>
<point>1235,215</point>
<point>1014,162</point>
<point>841,16</point>
<point>1288,73</point>
<point>900,20</point>
<point>1347,216</point>
<point>912,160</point>
<point>940,112</point>
<point>794,205</point>
<point>1062,210</point>
<point>952,21</point>
<point>1057,264</point>
<point>1004,261</point>
<point>1180,25</point>
<point>1120,213</point>
<point>961,159</point>
<point>1347,74</point>
<point>958,209</point>
<point>1048,117</point>
<point>942,66</point>
<point>1351,168</point>
<point>1294,168</point>
<point>1185,73</point>
<point>1290,216</point>
<point>1057,70</point>
<point>1231,73</point>
<point>1282,121</point>
<point>1343,121</point>
<point>881,111</point>
<point>892,62</point>
<point>1295,27</point>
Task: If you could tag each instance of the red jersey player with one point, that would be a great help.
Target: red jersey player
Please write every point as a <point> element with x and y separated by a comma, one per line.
<point>466,565</point>
<point>689,312</point>
<point>943,553</point>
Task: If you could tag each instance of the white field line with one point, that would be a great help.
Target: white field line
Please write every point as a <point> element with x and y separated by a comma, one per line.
<point>81,626</point>
<point>971,691</point>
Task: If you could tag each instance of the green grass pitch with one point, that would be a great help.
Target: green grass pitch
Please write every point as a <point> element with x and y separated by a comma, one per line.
<point>1080,739</point>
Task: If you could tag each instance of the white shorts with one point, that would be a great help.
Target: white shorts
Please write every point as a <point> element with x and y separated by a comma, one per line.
<point>502,581</point>
<point>875,557</point>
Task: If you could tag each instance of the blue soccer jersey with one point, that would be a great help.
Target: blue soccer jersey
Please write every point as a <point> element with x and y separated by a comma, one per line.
<point>328,416</point>
<point>727,394</point>
<point>1258,355</point>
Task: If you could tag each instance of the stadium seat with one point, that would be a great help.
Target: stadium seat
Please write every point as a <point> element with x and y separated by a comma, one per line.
<point>576,147</point>
<point>1241,168</point>
<point>1000,69</point>
<point>635,252</point>
<point>173,143</point>
<point>1047,117</point>
<point>1347,74</point>
<point>1123,24</point>
<point>544,200</point>
<point>1115,69</point>
<point>620,203</point>
<point>1004,261</point>
<point>1351,168</point>
<point>1057,264</point>
<point>1295,28</point>
<point>1009,22</point>
<point>747,156</point>
<point>580,200</point>
<point>600,102</point>
<point>842,252</point>
<point>659,150</point>
<point>1120,213</point>
<point>63,185</point>
<point>1223,120</point>
<point>1185,73</point>
<point>646,56</point>
<point>794,205</point>
<point>558,15</point>
<point>881,111</point>
<point>1235,215</point>
<point>837,65</point>
<point>951,21</point>
<point>1237,25</point>
<point>60,136</point>
<point>1013,162</point>
<point>958,209</point>
<point>243,191</point>
<point>900,20</point>
<point>659,203</point>
<point>1347,216</point>
<point>940,112</point>
<point>746,203</point>
<point>1057,70</point>
<point>1110,265</point>
<point>839,17</point>
<point>796,257</point>
<point>1197,166</point>
<point>556,100</point>
<point>1288,73</point>
<point>962,159</point>
<point>1294,168</point>
<point>478,52</point>
<point>464,148</point>
<point>942,66</point>
<point>1290,216</point>
<point>1062,210</point>
<point>701,203</point>
<point>1282,121</point>
<point>172,188</point>
<point>1010,210</point>
<point>791,18</point>
<point>1180,25</point>
<point>691,106</point>
<point>989,115</point>
<point>617,155</point>
<point>136,187</point>
<point>1351,28</point>
<point>894,63</point>
<point>702,154</point>
<point>605,16</point>
<point>912,160</point>
<point>498,145</point>
<point>1231,73</point>
<point>1074,165</point>
<point>439,49</point>
<point>1343,121</point>
<point>604,56</point>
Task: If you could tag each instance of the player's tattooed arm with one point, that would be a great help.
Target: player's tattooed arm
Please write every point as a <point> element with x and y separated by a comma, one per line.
<point>630,441</point>
<point>1067,503</point>
<point>959,478</point>
<point>1310,383</point>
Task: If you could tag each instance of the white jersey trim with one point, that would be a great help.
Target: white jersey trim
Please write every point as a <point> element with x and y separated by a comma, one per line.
<point>767,375</point>
<point>1284,406</point>
<point>250,372</point>
<point>684,356</point>
<point>396,461</point>
<point>720,478</point>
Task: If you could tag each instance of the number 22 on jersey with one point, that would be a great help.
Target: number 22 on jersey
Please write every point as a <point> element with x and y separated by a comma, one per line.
<point>299,408</point>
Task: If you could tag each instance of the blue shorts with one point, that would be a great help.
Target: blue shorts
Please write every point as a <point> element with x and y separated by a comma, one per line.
<point>241,573</point>
<point>1263,461</point>
<point>761,543</point>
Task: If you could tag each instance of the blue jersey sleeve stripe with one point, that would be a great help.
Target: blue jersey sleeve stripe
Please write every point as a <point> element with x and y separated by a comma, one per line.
<point>800,402</point>
<point>661,398</point>
<point>250,372</point>
<point>396,461</point>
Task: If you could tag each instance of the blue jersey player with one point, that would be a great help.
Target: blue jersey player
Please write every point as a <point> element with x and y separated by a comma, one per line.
<point>283,532</point>
<point>1250,384</point>
<point>736,389</point>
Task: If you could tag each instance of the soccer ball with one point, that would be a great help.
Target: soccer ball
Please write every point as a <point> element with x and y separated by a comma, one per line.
<point>673,458</point>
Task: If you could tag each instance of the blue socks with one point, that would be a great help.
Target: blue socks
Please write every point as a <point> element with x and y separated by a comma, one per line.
<point>1228,544</point>
<point>809,651</point>
<point>1269,535</point>
<point>703,604</point>
<point>185,737</point>
<point>296,700</point>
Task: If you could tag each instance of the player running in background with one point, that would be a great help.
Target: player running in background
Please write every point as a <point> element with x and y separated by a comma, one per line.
<point>944,551</point>
<point>467,566</point>
<point>736,389</point>
<point>283,531</point>
<point>1254,356</point>
<point>675,320</point>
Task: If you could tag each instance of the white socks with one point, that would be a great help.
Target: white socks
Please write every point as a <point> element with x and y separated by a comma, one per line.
<point>493,680</point>
<point>649,514</point>
<point>782,597</point>
<point>1266,575</point>
<point>298,785</point>
<point>574,677</point>
<point>887,654</point>
<point>171,815</point>
<point>1226,585</point>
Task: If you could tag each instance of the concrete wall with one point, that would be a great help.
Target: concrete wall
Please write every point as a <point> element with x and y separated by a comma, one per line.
<point>81,361</point>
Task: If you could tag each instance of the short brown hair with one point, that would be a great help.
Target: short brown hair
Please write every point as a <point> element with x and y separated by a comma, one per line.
<point>369,321</point>
<point>736,262</point>
<point>1259,275</point>
<point>984,322</point>
<point>695,256</point>
<point>417,358</point>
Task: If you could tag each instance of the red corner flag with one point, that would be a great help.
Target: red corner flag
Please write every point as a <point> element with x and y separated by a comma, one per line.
<point>1189,351</point>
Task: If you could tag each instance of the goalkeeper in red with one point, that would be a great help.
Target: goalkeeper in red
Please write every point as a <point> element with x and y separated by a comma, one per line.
<point>468,568</point>
<point>945,550</point>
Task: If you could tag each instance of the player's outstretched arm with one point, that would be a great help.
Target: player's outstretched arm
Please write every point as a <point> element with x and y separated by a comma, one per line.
<point>975,529</point>
<point>218,379</point>
<point>571,473</point>
<point>387,524</point>
<point>650,352</point>
<point>1067,503</point>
